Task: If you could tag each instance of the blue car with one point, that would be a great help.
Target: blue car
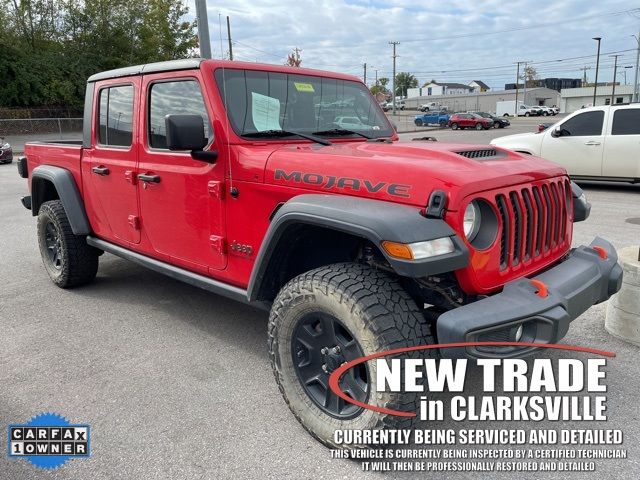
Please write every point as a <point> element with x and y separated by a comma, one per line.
<point>432,118</point>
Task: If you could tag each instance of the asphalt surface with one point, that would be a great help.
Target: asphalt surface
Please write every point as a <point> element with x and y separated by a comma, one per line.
<point>176,383</point>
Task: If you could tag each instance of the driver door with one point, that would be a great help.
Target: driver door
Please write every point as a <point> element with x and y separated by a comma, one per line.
<point>579,145</point>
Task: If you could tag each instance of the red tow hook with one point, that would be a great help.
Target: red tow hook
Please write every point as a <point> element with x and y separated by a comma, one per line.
<point>601,252</point>
<point>542,291</point>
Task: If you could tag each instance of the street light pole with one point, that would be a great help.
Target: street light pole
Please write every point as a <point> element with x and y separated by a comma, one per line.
<point>515,110</point>
<point>393,84</point>
<point>634,97</point>
<point>595,84</point>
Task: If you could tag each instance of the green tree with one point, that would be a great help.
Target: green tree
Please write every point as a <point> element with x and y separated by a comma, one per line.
<point>383,81</point>
<point>49,47</point>
<point>405,81</point>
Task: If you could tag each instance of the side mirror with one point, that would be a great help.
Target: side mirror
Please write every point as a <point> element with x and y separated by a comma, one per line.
<point>186,132</point>
<point>556,132</point>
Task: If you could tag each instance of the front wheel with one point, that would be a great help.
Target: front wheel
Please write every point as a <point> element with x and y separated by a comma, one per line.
<point>443,124</point>
<point>527,114</point>
<point>332,315</point>
<point>454,126</point>
<point>67,258</point>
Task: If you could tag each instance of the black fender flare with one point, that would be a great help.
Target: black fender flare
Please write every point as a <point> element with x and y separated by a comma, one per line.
<point>374,220</point>
<point>64,183</point>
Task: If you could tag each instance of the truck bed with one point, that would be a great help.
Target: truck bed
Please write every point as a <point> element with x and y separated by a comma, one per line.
<point>66,154</point>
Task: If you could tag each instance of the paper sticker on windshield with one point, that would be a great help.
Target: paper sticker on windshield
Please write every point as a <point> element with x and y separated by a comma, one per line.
<point>266,112</point>
<point>304,87</point>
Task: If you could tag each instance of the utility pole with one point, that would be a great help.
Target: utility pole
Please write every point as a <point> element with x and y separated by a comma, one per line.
<point>635,95</point>
<point>524,84</point>
<point>615,74</point>
<point>393,84</point>
<point>376,70</point>
<point>595,83</point>
<point>229,38</point>
<point>584,74</point>
<point>203,28</point>
<point>365,72</point>
<point>515,110</point>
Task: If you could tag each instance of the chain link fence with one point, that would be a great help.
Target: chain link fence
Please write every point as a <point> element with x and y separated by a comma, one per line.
<point>18,131</point>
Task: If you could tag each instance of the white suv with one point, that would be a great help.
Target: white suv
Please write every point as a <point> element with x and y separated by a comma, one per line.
<point>598,143</point>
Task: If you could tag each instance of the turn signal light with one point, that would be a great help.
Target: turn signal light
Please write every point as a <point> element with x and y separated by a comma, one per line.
<point>419,250</point>
<point>397,250</point>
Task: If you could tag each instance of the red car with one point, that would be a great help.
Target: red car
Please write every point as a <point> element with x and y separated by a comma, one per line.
<point>236,178</point>
<point>469,120</point>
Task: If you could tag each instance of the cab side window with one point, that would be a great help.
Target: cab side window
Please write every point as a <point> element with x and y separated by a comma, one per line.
<point>584,124</point>
<point>182,97</point>
<point>115,116</point>
<point>626,122</point>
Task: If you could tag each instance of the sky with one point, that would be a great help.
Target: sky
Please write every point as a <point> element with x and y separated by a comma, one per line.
<point>445,40</point>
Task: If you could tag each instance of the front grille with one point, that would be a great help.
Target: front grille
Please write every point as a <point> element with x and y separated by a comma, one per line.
<point>533,221</point>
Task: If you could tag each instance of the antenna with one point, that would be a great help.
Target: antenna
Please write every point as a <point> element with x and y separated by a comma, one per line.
<point>226,114</point>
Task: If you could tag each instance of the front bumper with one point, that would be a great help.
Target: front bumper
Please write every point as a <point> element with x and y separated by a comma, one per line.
<point>586,277</point>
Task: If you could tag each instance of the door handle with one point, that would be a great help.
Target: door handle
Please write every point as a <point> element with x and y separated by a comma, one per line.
<point>592,143</point>
<point>143,177</point>
<point>100,171</point>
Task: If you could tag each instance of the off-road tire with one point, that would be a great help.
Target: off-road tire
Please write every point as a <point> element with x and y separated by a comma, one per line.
<point>380,316</point>
<point>78,263</point>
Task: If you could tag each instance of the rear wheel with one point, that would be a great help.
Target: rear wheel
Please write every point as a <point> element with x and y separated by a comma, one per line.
<point>67,258</point>
<point>418,122</point>
<point>332,315</point>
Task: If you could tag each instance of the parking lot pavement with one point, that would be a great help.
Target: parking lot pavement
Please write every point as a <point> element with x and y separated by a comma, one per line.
<point>176,383</point>
<point>518,125</point>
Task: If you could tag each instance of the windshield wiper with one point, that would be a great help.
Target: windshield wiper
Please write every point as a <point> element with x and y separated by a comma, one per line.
<point>342,131</point>
<point>287,133</point>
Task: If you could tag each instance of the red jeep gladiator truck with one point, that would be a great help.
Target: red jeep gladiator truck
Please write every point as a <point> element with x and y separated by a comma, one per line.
<point>237,178</point>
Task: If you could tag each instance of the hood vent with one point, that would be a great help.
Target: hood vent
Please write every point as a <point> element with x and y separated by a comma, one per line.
<point>485,153</point>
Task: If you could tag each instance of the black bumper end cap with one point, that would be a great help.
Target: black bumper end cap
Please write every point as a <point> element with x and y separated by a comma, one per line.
<point>26,201</point>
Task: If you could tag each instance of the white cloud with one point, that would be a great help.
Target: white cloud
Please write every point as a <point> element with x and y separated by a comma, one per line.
<point>341,35</point>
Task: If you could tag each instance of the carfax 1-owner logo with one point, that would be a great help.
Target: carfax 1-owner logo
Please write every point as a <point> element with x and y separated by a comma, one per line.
<point>49,440</point>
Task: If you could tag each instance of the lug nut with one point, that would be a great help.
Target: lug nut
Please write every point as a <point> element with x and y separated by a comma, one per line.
<point>336,349</point>
<point>324,351</point>
<point>324,368</point>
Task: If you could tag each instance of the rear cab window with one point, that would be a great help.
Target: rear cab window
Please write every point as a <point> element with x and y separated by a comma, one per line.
<point>115,116</point>
<point>626,121</point>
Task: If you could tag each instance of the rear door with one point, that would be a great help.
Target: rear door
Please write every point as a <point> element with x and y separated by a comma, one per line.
<point>181,208</point>
<point>580,147</point>
<point>109,165</point>
<point>622,145</point>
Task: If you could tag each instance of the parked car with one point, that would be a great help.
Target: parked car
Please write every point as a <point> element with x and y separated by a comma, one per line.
<point>546,111</point>
<point>469,120</point>
<point>427,107</point>
<point>592,143</point>
<point>555,109</point>
<point>432,118</point>
<point>351,123</point>
<point>498,122</point>
<point>6,152</point>
<point>343,240</point>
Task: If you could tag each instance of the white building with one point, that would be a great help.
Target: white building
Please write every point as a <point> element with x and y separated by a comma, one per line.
<point>446,88</point>
<point>479,86</point>
<point>572,99</point>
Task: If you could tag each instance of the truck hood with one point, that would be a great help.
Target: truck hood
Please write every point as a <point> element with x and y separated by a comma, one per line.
<point>402,172</point>
<point>526,142</point>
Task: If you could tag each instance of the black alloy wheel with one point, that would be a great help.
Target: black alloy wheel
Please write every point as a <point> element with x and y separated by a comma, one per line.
<point>321,343</point>
<point>53,243</point>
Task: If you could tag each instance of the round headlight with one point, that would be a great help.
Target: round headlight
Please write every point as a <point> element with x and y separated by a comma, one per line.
<point>471,222</point>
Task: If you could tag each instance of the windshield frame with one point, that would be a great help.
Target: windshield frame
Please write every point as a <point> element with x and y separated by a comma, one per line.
<point>382,128</point>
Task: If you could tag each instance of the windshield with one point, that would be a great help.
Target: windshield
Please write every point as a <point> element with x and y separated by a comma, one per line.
<point>258,101</point>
